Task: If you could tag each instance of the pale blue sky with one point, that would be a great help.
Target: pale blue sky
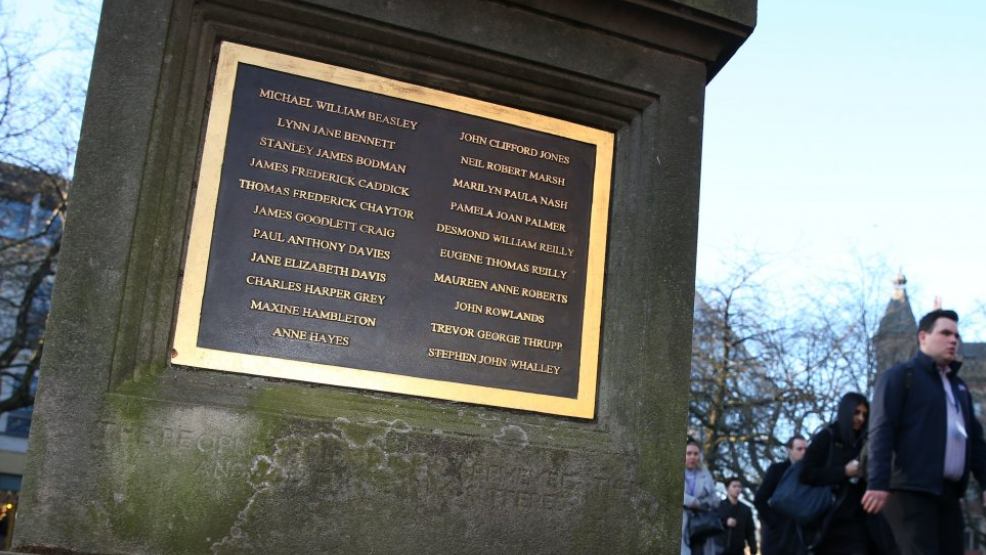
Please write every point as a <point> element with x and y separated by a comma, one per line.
<point>842,129</point>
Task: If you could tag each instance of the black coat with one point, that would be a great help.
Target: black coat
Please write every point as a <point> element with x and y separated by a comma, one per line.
<point>907,430</point>
<point>819,471</point>
<point>734,538</point>
<point>777,532</point>
<point>847,528</point>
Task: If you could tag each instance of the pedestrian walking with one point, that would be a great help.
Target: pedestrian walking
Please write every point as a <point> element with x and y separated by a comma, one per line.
<point>778,535</point>
<point>832,459</point>
<point>924,441</point>
<point>700,495</point>
<point>738,519</point>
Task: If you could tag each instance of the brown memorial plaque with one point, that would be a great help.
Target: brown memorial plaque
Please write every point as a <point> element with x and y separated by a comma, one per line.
<point>364,232</point>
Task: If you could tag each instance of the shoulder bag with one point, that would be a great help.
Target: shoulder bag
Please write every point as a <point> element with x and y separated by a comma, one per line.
<point>704,524</point>
<point>806,505</point>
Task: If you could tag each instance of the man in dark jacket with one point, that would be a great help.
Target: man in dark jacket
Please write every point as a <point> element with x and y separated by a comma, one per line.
<point>777,532</point>
<point>738,519</point>
<point>924,441</point>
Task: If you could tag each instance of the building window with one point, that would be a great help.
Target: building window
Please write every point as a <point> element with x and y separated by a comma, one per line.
<point>10,482</point>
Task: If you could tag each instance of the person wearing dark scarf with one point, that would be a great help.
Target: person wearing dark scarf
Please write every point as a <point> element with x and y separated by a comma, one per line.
<point>845,532</point>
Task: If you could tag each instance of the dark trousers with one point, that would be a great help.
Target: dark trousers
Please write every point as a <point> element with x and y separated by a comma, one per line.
<point>926,524</point>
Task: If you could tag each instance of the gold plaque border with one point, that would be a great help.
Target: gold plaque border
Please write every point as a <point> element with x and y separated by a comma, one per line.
<point>187,353</point>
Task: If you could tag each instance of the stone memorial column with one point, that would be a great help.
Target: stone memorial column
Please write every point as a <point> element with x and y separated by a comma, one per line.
<point>378,277</point>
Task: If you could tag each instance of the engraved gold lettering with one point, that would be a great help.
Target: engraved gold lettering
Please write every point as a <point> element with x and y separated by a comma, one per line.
<point>498,312</point>
<point>535,367</point>
<point>546,344</point>
<point>341,317</point>
<point>334,155</point>
<point>384,187</point>
<point>513,147</point>
<point>555,157</point>
<point>496,190</point>
<point>498,337</point>
<point>343,294</point>
<point>381,164</point>
<point>322,198</point>
<point>506,289</point>
<point>499,362</point>
<point>505,264</point>
<point>350,136</point>
<point>506,169</point>
<point>461,256</point>
<point>546,271</point>
<point>261,163</point>
<point>264,258</point>
<point>289,333</point>
<point>362,139</point>
<point>449,329</point>
<point>320,175</point>
<point>378,231</point>
<point>547,178</point>
<point>320,267</point>
<point>360,113</point>
<point>326,291</point>
<point>470,161</point>
<point>334,269</point>
<point>270,283</point>
<point>339,109</point>
<point>511,314</point>
<point>268,235</point>
<point>279,213</point>
<point>453,355</point>
<point>567,252</point>
<point>553,202</point>
<point>471,358</point>
<point>503,215</point>
<point>370,252</point>
<point>462,281</point>
<point>540,295</point>
<point>286,98</point>
<point>518,291</point>
<point>295,125</point>
<point>312,336</point>
<point>369,275</point>
<point>515,242</point>
<point>462,232</point>
<point>288,146</point>
<point>328,339</point>
<point>275,308</point>
<point>369,298</point>
<point>394,211</point>
<point>325,221</point>
<point>250,185</point>
<point>473,209</point>
<point>473,138</point>
<point>316,243</point>
<point>472,308</point>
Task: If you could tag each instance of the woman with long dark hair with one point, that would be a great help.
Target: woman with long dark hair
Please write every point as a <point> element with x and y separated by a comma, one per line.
<point>832,459</point>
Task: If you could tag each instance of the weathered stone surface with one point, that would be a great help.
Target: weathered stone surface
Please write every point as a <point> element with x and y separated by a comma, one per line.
<point>132,455</point>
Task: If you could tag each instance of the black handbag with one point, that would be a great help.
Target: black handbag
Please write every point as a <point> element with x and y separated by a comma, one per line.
<point>704,524</point>
<point>806,505</point>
